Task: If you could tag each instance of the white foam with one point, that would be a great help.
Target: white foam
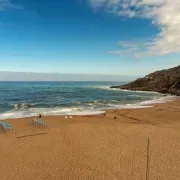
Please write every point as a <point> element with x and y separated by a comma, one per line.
<point>125,90</point>
<point>82,110</point>
<point>49,111</point>
<point>134,107</point>
<point>127,106</point>
<point>148,92</point>
<point>104,87</point>
<point>144,104</point>
<point>159,100</point>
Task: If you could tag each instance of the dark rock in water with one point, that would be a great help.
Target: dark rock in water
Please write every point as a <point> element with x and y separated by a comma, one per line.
<point>165,81</point>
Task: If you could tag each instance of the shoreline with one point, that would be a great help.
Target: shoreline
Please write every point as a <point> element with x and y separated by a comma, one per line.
<point>95,146</point>
<point>139,105</point>
<point>104,111</point>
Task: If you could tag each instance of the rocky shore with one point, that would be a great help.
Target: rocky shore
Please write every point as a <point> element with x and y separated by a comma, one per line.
<point>164,81</point>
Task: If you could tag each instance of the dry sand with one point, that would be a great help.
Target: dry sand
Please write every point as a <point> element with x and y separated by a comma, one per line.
<point>95,147</point>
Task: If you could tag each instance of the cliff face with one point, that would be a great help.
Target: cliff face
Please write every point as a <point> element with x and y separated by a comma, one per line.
<point>165,81</point>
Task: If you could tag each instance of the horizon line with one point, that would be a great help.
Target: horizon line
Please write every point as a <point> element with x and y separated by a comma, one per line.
<point>70,73</point>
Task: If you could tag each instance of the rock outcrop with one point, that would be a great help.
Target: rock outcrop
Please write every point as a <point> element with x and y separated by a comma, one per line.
<point>165,81</point>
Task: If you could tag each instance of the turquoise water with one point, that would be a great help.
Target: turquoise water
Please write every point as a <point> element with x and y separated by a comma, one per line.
<point>22,99</point>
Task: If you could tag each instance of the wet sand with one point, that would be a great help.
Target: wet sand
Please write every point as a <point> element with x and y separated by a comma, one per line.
<point>95,147</point>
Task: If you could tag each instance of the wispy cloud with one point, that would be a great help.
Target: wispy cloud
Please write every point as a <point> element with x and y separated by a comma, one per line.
<point>127,44</point>
<point>6,4</point>
<point>164,13</point>
<point>90,24</point>
<point>128,48</point>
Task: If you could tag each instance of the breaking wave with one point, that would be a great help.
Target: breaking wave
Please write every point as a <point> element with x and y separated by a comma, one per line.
<point>23,99</point>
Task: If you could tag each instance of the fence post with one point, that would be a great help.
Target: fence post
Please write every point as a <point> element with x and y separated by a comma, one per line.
<point>147,165</point>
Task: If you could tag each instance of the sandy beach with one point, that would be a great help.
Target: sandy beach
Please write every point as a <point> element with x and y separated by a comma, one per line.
<point>95,147</point>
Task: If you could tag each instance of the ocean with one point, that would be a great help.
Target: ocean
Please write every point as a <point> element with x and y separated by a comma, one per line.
<point>26,99</point>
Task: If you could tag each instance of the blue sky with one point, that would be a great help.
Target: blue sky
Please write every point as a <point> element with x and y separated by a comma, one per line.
<point>89,37</point>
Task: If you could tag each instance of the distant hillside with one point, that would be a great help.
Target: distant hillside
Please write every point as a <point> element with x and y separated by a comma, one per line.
<point>165,81</point>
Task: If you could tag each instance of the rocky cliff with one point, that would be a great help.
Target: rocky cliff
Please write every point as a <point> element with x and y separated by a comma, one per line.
<point>165,81</point>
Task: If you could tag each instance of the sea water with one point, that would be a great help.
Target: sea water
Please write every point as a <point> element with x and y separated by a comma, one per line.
<point>25,99</point>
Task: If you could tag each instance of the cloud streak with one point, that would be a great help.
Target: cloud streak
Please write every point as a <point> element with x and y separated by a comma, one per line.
<point>6,4</point>
<point>127,48</point>
<point>164,13</point>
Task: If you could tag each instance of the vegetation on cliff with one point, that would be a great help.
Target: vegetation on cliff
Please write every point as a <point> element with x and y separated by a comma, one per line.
<point>165,81</point>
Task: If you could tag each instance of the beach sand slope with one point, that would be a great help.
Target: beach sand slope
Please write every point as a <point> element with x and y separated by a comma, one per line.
<point>95,147</point>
